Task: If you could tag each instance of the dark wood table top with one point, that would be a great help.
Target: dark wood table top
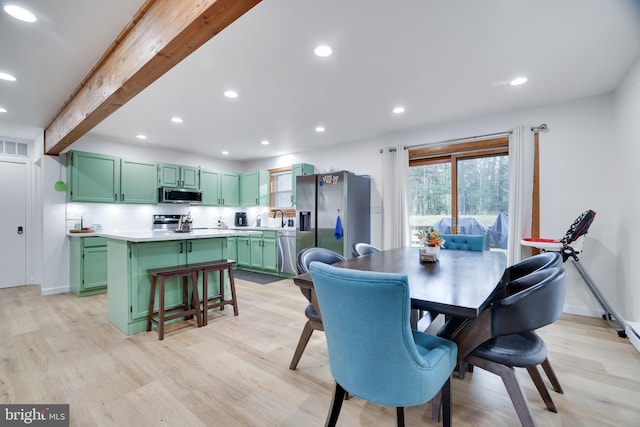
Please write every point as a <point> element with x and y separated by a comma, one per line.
<point>459,284</point>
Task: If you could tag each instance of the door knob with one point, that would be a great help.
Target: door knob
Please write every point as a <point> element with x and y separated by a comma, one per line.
<point>20,229</point>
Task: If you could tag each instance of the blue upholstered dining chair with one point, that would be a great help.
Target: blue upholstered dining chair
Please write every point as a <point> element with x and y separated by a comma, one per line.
<point>464,242</point>
<point>373,353</point>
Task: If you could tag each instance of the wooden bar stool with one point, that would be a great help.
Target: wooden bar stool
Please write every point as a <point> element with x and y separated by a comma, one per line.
<point>217,301</point>
<point>187,309</point>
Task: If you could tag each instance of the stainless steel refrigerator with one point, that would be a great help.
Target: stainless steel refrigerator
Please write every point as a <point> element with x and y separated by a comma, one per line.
<point>333,211</point>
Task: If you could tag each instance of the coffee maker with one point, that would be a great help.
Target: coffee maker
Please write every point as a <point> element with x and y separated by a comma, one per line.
<point>241,219</point>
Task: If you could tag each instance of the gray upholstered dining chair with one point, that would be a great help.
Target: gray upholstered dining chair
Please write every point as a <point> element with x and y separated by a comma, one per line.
<point>502,337</point>
<point>314,321</point>
<point>508,285</point>
<point>362,248</point>
<point>373,353</point>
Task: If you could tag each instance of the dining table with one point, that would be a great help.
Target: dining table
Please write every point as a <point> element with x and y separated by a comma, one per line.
<point>460,283</point>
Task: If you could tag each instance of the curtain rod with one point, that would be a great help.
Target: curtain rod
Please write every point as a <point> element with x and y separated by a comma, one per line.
<point>542,128</point>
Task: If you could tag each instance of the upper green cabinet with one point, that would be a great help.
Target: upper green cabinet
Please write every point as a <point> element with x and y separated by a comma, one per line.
<point>92,178</point>
<point>178,176</point>
<point>298,170</point>
<point>219,188</point>
<point>106,179</point>
<point>138,182</point>
<point>254,188</point>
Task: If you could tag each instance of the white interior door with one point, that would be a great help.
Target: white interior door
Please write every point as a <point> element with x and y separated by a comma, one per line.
<point>12,224</point>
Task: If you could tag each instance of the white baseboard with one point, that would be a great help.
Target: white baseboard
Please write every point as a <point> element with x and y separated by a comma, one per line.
<point>53,291</point>
<point>633,332</point>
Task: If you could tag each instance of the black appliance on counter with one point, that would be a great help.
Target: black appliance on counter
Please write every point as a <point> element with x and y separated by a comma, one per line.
<point>241,219</point>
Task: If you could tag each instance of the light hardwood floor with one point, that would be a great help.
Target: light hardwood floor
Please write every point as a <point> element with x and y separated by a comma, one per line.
<point>234,372</point>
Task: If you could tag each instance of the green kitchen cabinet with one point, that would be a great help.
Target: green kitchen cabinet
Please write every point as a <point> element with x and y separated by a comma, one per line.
<point>263,252</point>
<point>229,189</point>
<point>138,182</point>
<point>296,171</point>
<point>210,187</point>
<point>88,270</point>
<point>244,252</point>
<point>232,249</point>
<point>256,252</point>
<point>219,188</point>
<point>105,179</point>
<point>178,176</point>
<point>270,251</point>
<point>130,286</point>
<point>254,188</point>
<point>92,178</point>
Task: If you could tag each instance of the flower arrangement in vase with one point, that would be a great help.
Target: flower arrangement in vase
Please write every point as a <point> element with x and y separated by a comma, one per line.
<point>431,242</point>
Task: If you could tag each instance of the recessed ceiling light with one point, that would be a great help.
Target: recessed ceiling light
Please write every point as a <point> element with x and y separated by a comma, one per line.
<point>518,81</point>
<point>320,129</point>
<point>8,77</point>
<point>398,110</point>
<point>231,94</point>
<point>323,51</point>
<point>225,152</point>
<point>2,110</point>
<point>20,13</point>
<point>141,136</point>
<point>264,142</point>
<point>176,120</point>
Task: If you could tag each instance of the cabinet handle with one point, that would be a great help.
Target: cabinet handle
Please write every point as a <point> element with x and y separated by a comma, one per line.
<point>122,197</point>
<point>181,247</point>
<point>218,201</point>
<point>223,201</point>
<point>256,201</point>
<point>115,197</point>
<point>190,247</point>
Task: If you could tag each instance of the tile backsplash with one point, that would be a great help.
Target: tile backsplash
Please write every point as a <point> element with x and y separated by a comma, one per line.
<point>121,217</point>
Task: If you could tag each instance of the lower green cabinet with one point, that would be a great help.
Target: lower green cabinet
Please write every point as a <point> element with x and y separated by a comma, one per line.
<point>258,252</point>
<point>232,249</point>
<point>244,252</point>
<point>130,285</point>
<point>88,265</point>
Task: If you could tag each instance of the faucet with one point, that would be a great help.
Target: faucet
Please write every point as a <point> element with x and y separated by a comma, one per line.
<point>282,216</point>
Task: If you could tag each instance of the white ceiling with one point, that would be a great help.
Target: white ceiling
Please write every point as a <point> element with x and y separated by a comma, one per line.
<point>441,60</point>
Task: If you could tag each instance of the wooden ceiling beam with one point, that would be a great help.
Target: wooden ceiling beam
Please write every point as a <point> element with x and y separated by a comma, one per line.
<point>162,33</point>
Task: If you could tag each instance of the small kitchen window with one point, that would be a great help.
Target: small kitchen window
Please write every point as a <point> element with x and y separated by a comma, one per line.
<point>281,188</point>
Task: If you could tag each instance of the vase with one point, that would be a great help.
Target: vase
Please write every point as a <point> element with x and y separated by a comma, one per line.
<point>429,253</point>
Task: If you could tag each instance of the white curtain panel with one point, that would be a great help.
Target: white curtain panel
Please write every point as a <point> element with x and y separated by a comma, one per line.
<point>521,154</point>
<point>395,197</point>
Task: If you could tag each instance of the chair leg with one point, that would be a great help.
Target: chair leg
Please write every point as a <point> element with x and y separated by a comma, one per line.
<point>400,416</point>
<point>442,399</point>
<point>302,344</point>
<point>336,405</point>
<point>446,403</point>
<point>514,389</point>
<point>436,404</point>
<point>542,389</point>
<point>546,365</point>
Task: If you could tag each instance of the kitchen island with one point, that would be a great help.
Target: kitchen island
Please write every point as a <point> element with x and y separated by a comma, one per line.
<point>131,254</point>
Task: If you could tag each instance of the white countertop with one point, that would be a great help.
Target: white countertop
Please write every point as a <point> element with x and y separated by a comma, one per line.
<point>161,235</point>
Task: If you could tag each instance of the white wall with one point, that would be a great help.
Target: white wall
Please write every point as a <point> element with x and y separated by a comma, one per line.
<point>627,171</point>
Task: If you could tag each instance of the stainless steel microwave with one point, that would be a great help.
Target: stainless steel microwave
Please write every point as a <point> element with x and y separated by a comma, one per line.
<point>179,195</point>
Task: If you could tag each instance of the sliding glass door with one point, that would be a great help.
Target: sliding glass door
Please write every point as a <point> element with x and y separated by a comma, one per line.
<point>461,191</point>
